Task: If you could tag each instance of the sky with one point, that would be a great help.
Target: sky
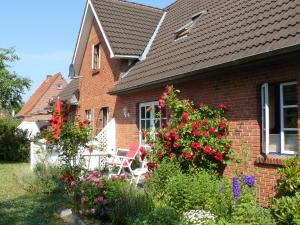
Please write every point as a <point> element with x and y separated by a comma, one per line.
<point>44,35</point>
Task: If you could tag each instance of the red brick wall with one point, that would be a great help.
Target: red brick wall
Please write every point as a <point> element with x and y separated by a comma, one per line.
<point>240,88</point>
<point>94,87</point>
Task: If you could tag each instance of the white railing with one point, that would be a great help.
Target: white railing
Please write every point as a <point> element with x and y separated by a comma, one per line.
<point>103,145</point>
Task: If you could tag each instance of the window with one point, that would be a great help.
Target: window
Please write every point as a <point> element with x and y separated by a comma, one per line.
<point>59,86</point>
<point>279,118</point>
<point>150,118</point>
<point>88,115</point>
<point>186,29</point>
<point>105,115</point>
<point>96,57</point>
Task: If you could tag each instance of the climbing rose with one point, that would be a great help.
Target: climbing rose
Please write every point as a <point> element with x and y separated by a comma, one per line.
<point>143,153</point>
<point>249,180</point>
<point>212,130</point>
<point>219,136</point>
<point>222,124</point>
<point>160,154</point>
<point>205,134</point>
<point>224,106</point>
<point>219,156</point>
<point>171,155</point>
<point>195,125</point>
<point>195,133</point>
<point>181,125</point>
<point>204,122</point>
<point>185,115</point>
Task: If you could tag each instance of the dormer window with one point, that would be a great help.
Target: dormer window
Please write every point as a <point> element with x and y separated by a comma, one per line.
<point>186,29</point>
<point>96,57</point>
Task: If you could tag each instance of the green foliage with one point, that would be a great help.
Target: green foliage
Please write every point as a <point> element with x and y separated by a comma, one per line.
<point>131,203</point>
<point>160,177</point>
<point>14,143</point>
<point>200,190</point>
<point>287,209</point>
<point>161,216</point>
<point>44,179</point>
<point>289,182</point>
<point>195,136</point>
<point>11,85</point>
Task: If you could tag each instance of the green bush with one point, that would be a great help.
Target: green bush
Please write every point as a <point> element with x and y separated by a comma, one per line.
<point>43,179</point>
<point>159,216</point>
<point>289,182</point>
<point>287,209</point>
<point>14,143</point>
<point>200,190</point>
<point>131,203</point>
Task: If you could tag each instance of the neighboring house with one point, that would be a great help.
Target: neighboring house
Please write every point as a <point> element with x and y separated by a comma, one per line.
<point>243,53</point>
<point>35,113</point>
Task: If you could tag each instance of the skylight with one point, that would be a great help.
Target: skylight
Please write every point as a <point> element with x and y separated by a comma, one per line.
<point>186,29</point>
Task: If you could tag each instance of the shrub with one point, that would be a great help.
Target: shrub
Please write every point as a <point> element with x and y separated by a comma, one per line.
<point>287,209</point>
<point>130,204</point>
<point>43,179</point>
<point>14,143</point>
<point>161,216</point>
<point>195,136</point>
<point>200,190</point>
<point>289,182</point>
<point>199,217</point>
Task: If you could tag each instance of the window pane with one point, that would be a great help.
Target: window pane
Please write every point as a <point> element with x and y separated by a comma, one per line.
<point>157,123</point>
<point>274,143</point>
<point>148,124</point>
<point>143,109</point>
<point>290,95</point>
<point>290,118</point>
<point>291,141</point>
<point>143,124</point>
<point>148,113</point>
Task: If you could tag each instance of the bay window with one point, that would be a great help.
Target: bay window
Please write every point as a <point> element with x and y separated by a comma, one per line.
<point>279,118</point>
<point>150,118</point>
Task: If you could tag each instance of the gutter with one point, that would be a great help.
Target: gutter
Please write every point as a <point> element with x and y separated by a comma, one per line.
<point>278,52</point>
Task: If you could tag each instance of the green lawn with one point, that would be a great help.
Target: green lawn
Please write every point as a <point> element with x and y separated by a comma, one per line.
<point>19,207</point>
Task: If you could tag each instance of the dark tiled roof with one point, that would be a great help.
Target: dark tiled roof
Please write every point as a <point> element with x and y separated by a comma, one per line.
<point>232,30</point>
<point>128,26</point>
<point>70,89</point>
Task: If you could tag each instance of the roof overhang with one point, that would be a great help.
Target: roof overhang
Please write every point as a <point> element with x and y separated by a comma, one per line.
<point>89,16</point>
<point>290,51</point>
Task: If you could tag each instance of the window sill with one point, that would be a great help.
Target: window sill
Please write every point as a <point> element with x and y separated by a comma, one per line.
<point>95,71</point>
<point>275,160</point>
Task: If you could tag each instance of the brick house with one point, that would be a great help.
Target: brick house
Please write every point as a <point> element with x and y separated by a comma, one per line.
<point>242,53</point>
<point>34,113</point>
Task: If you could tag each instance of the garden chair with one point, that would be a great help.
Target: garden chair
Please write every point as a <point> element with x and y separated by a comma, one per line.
<point>139,172</point>
<point>123,162</point>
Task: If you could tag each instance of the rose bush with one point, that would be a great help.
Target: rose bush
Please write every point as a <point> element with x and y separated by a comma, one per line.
<point>194,135</point>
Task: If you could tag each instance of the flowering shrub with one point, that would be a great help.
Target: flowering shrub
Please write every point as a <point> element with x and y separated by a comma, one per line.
<point>96,193</point>
<point>194,135</point>
<point>199,217</point>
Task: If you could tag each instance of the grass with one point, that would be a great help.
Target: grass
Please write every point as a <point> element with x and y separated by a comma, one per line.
<point>19,207</point>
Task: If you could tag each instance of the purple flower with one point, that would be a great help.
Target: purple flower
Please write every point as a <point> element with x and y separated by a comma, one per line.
<point>236,188</point>
<point>249,180</point>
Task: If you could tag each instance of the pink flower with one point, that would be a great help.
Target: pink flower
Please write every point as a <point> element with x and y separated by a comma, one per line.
<point>201,105</point>
<point>93,211</point>
<point>82,200</point>
<point>73,184</point>
<point>160,153</point>
<point>224,106</point>
<point>149,108</point>
<point>171,155</point>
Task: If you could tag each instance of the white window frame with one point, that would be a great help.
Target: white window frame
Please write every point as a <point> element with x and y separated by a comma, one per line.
<point>265,131</point>
<point>99,57</point>
<point>88,115</point>
<point>152,117</point>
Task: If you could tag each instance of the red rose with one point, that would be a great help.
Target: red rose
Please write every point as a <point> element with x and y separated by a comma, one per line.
<point>195,133</point>
<point>167,147</point>
<point>171,155</point>
<point>207,149</point>
<point>176,137</point>
<point>149,108</point>
<point>181,126</point>
<point>143,153</point>
<point>172,133</point>
<point>227,146</point>
<point>212,130</point>
<point>158,134</point>
<point>222,124</point>
<point>219,136</point>
<point>166,137</point>
<point>224,106</point>
<point>160,153</point>
<point>185,115</point>
<point>201,105</point>
<point>195,125</point>
<point>187,155</point>
<point>219,156</point>
<point>205,134</point>
<point>204,122</point>
<point>194,145</point>
<point>175,145</point>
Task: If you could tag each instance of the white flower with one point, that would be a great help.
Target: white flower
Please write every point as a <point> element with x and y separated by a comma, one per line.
<point>199,217</point>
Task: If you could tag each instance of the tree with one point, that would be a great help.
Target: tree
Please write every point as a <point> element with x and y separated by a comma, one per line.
<point>12,86</point>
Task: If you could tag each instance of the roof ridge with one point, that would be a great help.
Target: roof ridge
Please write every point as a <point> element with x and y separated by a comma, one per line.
<point>142,5</point>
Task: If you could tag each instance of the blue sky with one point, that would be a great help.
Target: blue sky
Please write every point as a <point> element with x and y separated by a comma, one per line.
<point>44,34</point>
